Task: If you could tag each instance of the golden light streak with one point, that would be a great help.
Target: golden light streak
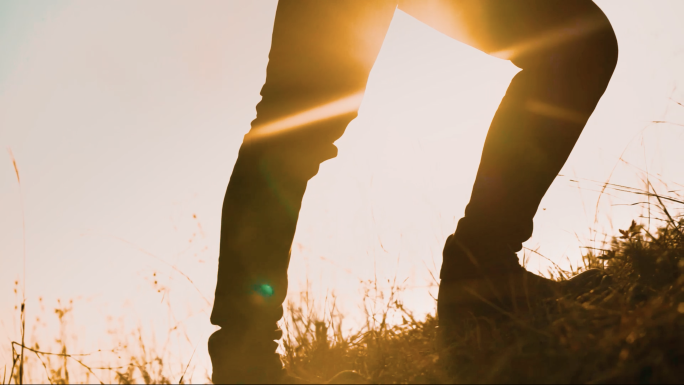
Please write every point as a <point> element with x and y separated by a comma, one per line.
<point>326,111</point>
<point>555,112</point>
<point>558,36</point>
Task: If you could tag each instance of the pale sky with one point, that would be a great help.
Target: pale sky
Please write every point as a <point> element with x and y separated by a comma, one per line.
<point>125,119</point>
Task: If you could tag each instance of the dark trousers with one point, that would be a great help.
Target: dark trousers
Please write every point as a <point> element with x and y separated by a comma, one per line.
<point>321,55</point>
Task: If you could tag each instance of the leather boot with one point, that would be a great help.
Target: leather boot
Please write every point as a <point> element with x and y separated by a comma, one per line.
<point>489,282</point>
<point>246,355</point>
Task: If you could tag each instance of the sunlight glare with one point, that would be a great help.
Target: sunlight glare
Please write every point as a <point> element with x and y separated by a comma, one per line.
<point>555,112</point>
<point>561,35</point>
<point>323,112</point>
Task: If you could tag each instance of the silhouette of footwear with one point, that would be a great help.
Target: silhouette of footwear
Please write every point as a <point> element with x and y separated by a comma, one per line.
<point>246,356</point>
<point>497,286</point>
<point>343,377</point>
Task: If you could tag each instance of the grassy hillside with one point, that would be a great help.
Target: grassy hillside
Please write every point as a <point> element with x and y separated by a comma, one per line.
<point>629,329</point>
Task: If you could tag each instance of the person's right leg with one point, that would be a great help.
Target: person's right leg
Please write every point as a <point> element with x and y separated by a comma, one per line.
<point>321,55</point>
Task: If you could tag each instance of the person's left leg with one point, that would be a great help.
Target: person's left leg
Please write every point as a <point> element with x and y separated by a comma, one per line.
<point>567,52</point>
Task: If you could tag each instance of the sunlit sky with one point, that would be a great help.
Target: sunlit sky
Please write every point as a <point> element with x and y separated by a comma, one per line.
<point>125,119</point>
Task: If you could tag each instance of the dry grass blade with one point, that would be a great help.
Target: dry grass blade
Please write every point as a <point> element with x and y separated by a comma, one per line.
<point>65,355</point>
<point>23,302</point>
<point>666,122</point>
<point>187,366</point>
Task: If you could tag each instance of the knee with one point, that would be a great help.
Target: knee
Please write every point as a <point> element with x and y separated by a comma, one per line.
<point>602,51</point>
<point>596,50</point>
<point>576,74</point>
<point>586,50</point>
<point>298,153</point>
<point>593,64</point>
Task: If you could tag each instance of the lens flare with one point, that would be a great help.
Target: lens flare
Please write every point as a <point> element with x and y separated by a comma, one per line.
<point>326,111</point>
<point>556,112</point>
<point>555,37</point>
<point>264,290</point>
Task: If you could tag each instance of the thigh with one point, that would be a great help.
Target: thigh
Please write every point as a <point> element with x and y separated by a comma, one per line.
<point>321,55</point>
<point>510,28</point>
<point>321,51</point>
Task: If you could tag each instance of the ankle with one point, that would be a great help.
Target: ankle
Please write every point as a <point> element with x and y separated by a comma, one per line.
<point>472,259</point>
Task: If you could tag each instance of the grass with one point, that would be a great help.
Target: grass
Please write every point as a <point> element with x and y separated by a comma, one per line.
<point>142,365</point>
<point>137,361</point>
<point>629,329</point>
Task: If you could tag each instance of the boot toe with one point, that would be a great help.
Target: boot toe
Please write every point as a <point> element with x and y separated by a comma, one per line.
<point>582,283</point>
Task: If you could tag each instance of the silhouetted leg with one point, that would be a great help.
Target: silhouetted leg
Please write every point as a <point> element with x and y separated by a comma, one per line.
<point>567,51</point>
<point>322,52</point>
